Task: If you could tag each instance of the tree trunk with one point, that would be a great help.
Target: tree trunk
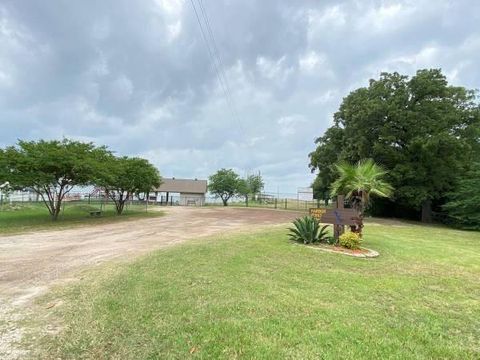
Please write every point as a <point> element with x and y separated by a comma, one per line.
<point>225,202</point>
<point>56,211</point>
<point>120,206</point>
<point>427,211</point>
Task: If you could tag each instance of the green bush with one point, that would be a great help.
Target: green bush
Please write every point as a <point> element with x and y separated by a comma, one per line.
<point>308,230</point>
<point>350,240</point>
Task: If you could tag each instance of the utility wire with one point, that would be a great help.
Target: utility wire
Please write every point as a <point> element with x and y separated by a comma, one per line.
<point>217,61</point>
<point>216,51</point>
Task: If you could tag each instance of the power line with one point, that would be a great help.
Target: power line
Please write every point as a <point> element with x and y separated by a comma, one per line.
<point>215,48</point>
<point>217,61</point>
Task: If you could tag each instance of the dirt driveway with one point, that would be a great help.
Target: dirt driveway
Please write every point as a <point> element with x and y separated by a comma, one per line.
<point>31,263</point>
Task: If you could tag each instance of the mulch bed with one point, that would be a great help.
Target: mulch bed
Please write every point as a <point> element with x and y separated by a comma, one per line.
<point>361,253</point>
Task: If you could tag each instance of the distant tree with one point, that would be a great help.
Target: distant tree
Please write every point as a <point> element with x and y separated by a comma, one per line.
<point>3,167</point>
<point>425,133</point>
<point>243,189</point>
<point>52,168</point>
<point>463,204</point>
<point>225,183</point>
<point>254,184</point>
<point>122,177</point>
<point>320,191</point>
<point>324,159</point>
<point>4,184</point>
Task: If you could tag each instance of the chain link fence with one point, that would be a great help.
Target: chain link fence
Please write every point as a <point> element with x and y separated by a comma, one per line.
<point>267,200</point>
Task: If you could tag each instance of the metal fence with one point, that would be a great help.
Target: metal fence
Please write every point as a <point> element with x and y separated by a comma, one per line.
<point>271,203</point>
<point>268,201</point>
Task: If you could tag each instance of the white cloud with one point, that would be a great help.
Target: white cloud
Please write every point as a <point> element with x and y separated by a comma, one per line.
<point>310,61</point>
<point>174,30</point>
<point>289,125</point>
<point>331,16</point>
<point>276,70</point>
<point>121,88</point>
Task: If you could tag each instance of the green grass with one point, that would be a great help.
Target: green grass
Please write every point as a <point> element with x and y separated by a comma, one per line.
<point>25,217</point>
<point>259,296</point>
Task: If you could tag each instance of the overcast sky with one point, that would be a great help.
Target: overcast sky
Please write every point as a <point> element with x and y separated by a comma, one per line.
<point>137,75</point>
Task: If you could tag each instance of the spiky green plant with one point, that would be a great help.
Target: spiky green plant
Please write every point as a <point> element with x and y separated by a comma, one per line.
<point>308,230</point>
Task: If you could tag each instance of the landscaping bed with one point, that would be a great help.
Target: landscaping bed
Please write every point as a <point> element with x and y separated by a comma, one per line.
<point>361,253</point>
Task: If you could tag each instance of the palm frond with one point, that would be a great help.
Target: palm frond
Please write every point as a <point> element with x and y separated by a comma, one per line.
<point>365,178</point>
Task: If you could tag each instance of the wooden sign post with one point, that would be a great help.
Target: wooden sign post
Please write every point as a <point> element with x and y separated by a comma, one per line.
<point>338,228</point>
<point>338,216</point>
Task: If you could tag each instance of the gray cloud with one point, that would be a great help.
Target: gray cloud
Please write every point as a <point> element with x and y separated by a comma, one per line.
<point>138,77</point>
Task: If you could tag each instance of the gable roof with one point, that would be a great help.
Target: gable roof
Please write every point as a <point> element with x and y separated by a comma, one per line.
<point>191,186</point>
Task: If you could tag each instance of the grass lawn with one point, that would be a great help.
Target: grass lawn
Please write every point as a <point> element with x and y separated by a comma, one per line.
<point>258,296</point>
<point>24,217</point>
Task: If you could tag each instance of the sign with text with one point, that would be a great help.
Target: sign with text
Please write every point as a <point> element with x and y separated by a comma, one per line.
<point>335,216</point>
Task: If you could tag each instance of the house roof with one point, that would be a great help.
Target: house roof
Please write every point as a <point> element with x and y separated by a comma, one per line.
<point>189,186</point>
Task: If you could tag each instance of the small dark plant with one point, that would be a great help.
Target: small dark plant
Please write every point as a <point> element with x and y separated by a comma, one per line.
<point>308,230</point>
<point>330,240</point>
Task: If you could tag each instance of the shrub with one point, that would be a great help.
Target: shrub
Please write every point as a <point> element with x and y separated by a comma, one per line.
<point>307,230</point>
<point>350,240</point>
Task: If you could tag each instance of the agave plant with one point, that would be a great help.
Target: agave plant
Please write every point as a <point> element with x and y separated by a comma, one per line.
<point>308,230</point>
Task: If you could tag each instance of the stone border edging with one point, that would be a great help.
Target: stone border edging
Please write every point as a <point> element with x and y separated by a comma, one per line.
<point>371,253</point>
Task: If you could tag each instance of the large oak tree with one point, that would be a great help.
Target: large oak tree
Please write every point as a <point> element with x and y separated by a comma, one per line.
<point>422,130</point>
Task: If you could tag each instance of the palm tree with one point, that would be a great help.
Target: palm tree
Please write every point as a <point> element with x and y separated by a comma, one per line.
<point>360,181</point>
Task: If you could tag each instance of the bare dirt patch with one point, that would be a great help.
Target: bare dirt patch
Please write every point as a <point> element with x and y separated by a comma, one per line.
<point>31,263</point>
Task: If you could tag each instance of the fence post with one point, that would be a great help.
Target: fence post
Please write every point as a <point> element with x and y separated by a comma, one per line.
<point>285,204</point>
<point>275,203</point>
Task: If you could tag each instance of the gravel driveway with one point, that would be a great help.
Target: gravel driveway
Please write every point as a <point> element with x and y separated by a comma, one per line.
<point>30,263</point>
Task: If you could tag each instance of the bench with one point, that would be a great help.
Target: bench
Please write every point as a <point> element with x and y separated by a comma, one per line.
<point>96,213</point>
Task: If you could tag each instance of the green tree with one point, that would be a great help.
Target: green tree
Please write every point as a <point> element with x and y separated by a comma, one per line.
<point>425,133</point>
<point>3,167</point>
<point>324,159</point>
<point>255,184</point>
<point>251,185</point>
<point>463,204</point>
<point>243,189</point>
<point>226,183</point>
<point>123,177</point>
<point>52,168</point>
<point>359,182</point>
